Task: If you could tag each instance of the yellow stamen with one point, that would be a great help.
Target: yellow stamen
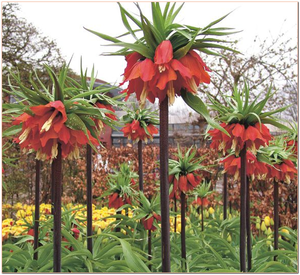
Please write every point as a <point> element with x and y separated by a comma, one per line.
<point>171,93</point>
<point>161,68</point>
<point>100,125</point>
<point>143,96</point>
<point>40,155</point>
<point>54,150</point>
<point>193,85</point>
<point>48,123</point>
<point>24,135</point>
<point>287,179</point>
<point>236,175</point>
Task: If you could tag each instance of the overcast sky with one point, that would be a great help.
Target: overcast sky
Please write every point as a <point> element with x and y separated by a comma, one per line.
<point>64,22</point>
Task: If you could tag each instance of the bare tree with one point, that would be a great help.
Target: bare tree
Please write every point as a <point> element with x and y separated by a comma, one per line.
<point>275,64</point>
<point>23,47</point>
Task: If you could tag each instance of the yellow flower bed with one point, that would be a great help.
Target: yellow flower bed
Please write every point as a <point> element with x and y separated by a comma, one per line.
<point>24,217</point>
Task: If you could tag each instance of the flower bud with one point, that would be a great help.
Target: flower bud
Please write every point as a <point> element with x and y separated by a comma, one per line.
<point>257,226</point>
<point>263,226</point>
<point>206,213</point>
<point>271,221</point>
<point>268,242</point>
<point>211,210</point>
<point>267,221</point>
<point>229,238</point>
<point>269,231</point>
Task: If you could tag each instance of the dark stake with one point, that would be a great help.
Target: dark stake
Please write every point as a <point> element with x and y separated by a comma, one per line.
<point>225,197</point>
<point>140,157</point>
<point>248,225</point>
<point>243,196</point>
<point>89,197</point>
<point>164,186</point>
<point>37,207</point>
<point>57,179</point>
<point>183,246</point>
<point>276,217</point>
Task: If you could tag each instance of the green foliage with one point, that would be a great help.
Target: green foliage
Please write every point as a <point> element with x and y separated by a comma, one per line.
<point>238,109</point>
<point>208,251</point>
<point>186,163</point>
<point>163,27</point>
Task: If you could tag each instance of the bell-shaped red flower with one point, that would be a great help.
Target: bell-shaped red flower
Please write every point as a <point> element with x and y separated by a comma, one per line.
<point>115,201</point>
<point>46,128</point>
<point>201,201</point>
<point>232,166</point>
<point>107,107</point>
<point>188,182</point>
<point>148,221</point>
<point>164,76</point>
<point>252,137</point>
<point>286,171</point>
<point>135,132</point>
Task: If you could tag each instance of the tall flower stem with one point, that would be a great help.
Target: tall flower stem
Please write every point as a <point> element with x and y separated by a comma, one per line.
<point>243,197</point>
<point>37,207</point>
<point>140,158</point>
<point>52,188</point>
<point>175,210</point>
<point>225,197</point>
<point>149,247</point>
<point>276,217</point>
<point>202,218</point>
<point>248,225</point>
<point>89,197</point>
<point>57,179</point>
<point>164,187</point>
<point>183,245</point>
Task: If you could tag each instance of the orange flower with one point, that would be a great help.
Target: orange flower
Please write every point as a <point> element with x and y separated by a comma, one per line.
<point>285,171</point>
<point>115,201</point>
<point>188,182</point>
<point>252,137</point>
<point>232,166</point>
<point>165,76</point>
<point>107,107</point>
<point>135,132</point>
<point>201,201</point>
<point>148,222</point>
<point>46,128</point>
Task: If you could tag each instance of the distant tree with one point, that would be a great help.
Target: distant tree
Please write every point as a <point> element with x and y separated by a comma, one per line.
<point>275,62</point>
<point>23,47</point>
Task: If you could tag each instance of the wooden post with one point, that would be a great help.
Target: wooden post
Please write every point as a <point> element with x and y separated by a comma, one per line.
<point>57,174</point>
<point>37,207</point>
<point>243,198</point>
<point>164,186</point>
<point>89,197</point>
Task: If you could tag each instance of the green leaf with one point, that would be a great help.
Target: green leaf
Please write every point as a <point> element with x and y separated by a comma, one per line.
<point>197,105</point>
<point>58,92</point>
<point>12,131</point>
<point>104,36</point>
<point>132,260</point>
